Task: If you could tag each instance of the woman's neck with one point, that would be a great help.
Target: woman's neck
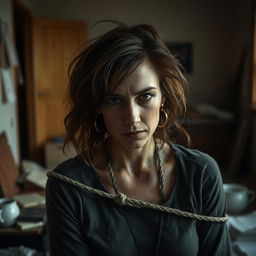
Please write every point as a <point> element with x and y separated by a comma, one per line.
<point>132,161</point>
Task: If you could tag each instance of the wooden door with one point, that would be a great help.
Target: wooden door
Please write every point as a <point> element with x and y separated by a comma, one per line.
<point>54,44</point>
<point>254,59</point>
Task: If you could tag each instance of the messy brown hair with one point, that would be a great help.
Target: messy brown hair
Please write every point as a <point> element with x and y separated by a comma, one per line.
<point>117,54</point>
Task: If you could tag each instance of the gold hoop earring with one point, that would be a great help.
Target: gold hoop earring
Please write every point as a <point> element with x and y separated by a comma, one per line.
<point>165,117</point>
<point>96,125</point>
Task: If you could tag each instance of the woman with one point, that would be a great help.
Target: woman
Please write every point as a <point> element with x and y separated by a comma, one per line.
<point>126,93</point>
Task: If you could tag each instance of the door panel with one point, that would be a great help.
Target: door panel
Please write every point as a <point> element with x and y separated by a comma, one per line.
<point>55,43</point>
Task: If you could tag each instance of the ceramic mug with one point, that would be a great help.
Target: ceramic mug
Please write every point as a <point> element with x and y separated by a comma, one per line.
<point>237,197</point>
<point>9,211</point>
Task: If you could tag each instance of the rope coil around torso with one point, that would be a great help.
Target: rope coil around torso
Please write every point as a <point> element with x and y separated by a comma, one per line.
<point>122,199</point>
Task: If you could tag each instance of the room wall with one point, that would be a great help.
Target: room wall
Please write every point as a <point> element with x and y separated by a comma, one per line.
<point>8,112</point>
<point>219,31</point>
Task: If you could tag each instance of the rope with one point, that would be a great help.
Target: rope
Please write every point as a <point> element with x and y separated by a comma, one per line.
<point>158,164</point>
<point>112,178</point>
<point>122,199</point>
<point>110,171</point>
<point>160,172</point>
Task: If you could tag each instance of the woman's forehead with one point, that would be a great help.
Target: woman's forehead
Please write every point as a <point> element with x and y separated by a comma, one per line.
<point>142,77</point>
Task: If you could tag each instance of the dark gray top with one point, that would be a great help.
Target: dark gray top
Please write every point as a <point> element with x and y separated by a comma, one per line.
<point>82,223</point>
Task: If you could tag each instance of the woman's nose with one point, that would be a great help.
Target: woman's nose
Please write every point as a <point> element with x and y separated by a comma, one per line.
<point>132,114</point>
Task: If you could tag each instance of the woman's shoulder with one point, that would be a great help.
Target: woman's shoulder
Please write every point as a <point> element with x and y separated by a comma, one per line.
<point>199,171</point>
<point>194,161</point>
<point>192,156</point>
<point>75,168</point>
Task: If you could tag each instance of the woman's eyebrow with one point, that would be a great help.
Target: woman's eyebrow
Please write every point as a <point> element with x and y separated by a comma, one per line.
<point>139,92</point>
<point>146,90</point>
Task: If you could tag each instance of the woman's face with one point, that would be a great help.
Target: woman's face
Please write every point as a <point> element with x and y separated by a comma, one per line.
<point>131,111</point>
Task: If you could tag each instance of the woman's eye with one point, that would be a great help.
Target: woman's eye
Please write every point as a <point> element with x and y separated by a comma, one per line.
<point>112,100</point>
<point>145,97</point>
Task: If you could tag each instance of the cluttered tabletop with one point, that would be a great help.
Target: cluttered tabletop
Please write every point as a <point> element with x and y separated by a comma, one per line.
<point>241,206</point>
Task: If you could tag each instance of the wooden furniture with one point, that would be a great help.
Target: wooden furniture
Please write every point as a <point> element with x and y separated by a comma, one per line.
<point>34,238</point>
<point>55,43</point>
<point>8,171</point>
<point>254,58</point>
<point>12,237</point>
<point>45,48</point>
<point>212,136</point>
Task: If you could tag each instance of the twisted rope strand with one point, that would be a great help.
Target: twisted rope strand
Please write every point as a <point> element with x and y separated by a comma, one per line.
<point>160,172</point>
<point>112,177</point>
<point>121,199</point>
<point>110,171</point>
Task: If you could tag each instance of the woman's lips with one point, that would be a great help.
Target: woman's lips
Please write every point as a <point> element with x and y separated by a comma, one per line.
<point>134,134</point>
